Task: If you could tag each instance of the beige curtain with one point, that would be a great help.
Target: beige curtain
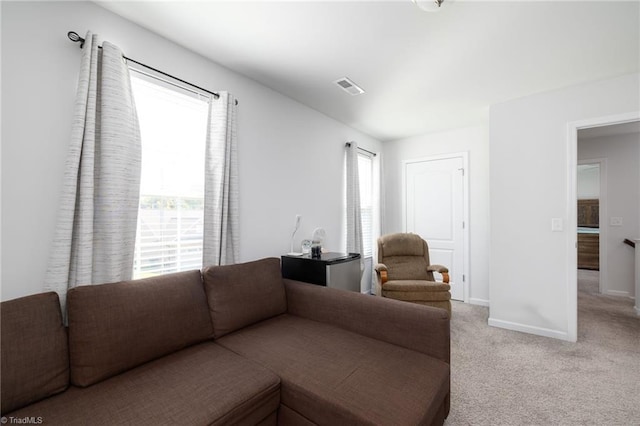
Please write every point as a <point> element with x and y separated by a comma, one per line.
<point>221,236</point>
<point>95,235</point>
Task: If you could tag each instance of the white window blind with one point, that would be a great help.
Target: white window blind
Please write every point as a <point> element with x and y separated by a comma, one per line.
<point>365,172</point>
<point>173,125</point>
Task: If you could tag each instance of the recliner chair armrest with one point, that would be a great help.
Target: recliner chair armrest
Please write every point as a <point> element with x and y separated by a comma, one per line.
<point>382,271</point>
<point>437,268</point>
<point>441,270</point>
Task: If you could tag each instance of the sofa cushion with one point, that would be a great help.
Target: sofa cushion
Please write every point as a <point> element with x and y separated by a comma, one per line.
<point>243,294</point>
<point>115,327</point>
<point>392,321</point>
<point>34,350</point>
<point>333,376</point>
<point>203,384</point>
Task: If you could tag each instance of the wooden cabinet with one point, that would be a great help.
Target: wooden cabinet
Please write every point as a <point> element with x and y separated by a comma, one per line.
<point>588,251</point>
<point>589,213</point>
<point>589,238</point>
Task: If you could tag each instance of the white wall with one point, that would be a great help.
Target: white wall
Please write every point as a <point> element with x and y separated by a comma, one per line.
<point>528,182</point>
<point>290,156</point>
<point>473,140</point>
<point>588,181</point>
<point>623,189</point>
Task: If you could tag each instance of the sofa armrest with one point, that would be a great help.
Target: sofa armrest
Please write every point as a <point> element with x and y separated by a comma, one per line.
<point>417,327</point>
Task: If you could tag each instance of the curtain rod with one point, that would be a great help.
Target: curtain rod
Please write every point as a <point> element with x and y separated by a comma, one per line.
<point>74,37</point>
<point>362,149</point>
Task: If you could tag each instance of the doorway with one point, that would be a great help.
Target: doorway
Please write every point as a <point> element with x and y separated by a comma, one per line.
<point>602,124</point>
<point>591,181</point>
<point>435,206</point>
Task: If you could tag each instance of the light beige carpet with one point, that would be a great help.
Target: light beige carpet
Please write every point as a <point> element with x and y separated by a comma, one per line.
<point>502,377</point>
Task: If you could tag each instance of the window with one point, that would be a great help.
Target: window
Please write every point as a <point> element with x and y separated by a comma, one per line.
<point>365,172</point>
<point>173,123</point>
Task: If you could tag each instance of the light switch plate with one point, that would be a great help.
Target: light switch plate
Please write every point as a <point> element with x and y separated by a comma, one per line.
<point>615,221</point>
<point>556,224</point>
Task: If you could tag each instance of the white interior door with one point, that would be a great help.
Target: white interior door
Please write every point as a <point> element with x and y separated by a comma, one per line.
<point>434,209</point>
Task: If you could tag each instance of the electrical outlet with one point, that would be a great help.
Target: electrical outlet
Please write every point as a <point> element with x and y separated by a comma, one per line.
<point>615,221</point>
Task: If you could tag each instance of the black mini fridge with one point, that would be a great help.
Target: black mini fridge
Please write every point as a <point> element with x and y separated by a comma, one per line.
<point>336,270</point>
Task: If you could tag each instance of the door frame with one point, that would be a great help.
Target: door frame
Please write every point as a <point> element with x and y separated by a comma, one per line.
<point>465,209</point>
<point>572,211</point>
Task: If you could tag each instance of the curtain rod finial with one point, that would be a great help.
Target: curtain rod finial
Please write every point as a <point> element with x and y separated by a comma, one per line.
<point>74,37</point>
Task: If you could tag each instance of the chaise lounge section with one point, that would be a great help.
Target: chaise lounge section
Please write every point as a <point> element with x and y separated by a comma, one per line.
<point>234,344</point>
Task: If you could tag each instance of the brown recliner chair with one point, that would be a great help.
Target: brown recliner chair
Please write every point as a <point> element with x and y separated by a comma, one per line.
<point>404,272</point>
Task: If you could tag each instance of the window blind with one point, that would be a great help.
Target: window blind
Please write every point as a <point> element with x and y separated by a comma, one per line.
<point>170,219</point>
<point>365,172</point>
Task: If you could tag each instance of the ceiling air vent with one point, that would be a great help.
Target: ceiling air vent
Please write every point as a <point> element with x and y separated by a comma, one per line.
<point>349,86</point>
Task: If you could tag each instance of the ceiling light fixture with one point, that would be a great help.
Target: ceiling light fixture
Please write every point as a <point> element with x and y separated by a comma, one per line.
<point>428,5</point>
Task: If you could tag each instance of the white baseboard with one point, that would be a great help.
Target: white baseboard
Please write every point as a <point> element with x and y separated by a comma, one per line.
<point>637,309</point>
<point>479,302</point>
<point>618,293</point>
<point>530,329</point>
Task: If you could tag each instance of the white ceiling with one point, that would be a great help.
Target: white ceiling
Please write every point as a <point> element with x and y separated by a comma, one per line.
<point>611,130</point>
<point>421,71</point>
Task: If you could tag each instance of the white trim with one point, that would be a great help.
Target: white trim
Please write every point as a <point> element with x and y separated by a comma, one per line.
<point>479,302</point>
<point>539,331</point>
<point>572,197</point>
<point>185,89</point>
<point>465,209</point>
<point>636,308</point>
<point>603,245</point>
<point>371,157</point>
<point>619,293</point>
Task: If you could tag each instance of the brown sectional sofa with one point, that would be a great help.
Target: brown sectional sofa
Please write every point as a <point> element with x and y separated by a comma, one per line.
<point>231,345</point>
